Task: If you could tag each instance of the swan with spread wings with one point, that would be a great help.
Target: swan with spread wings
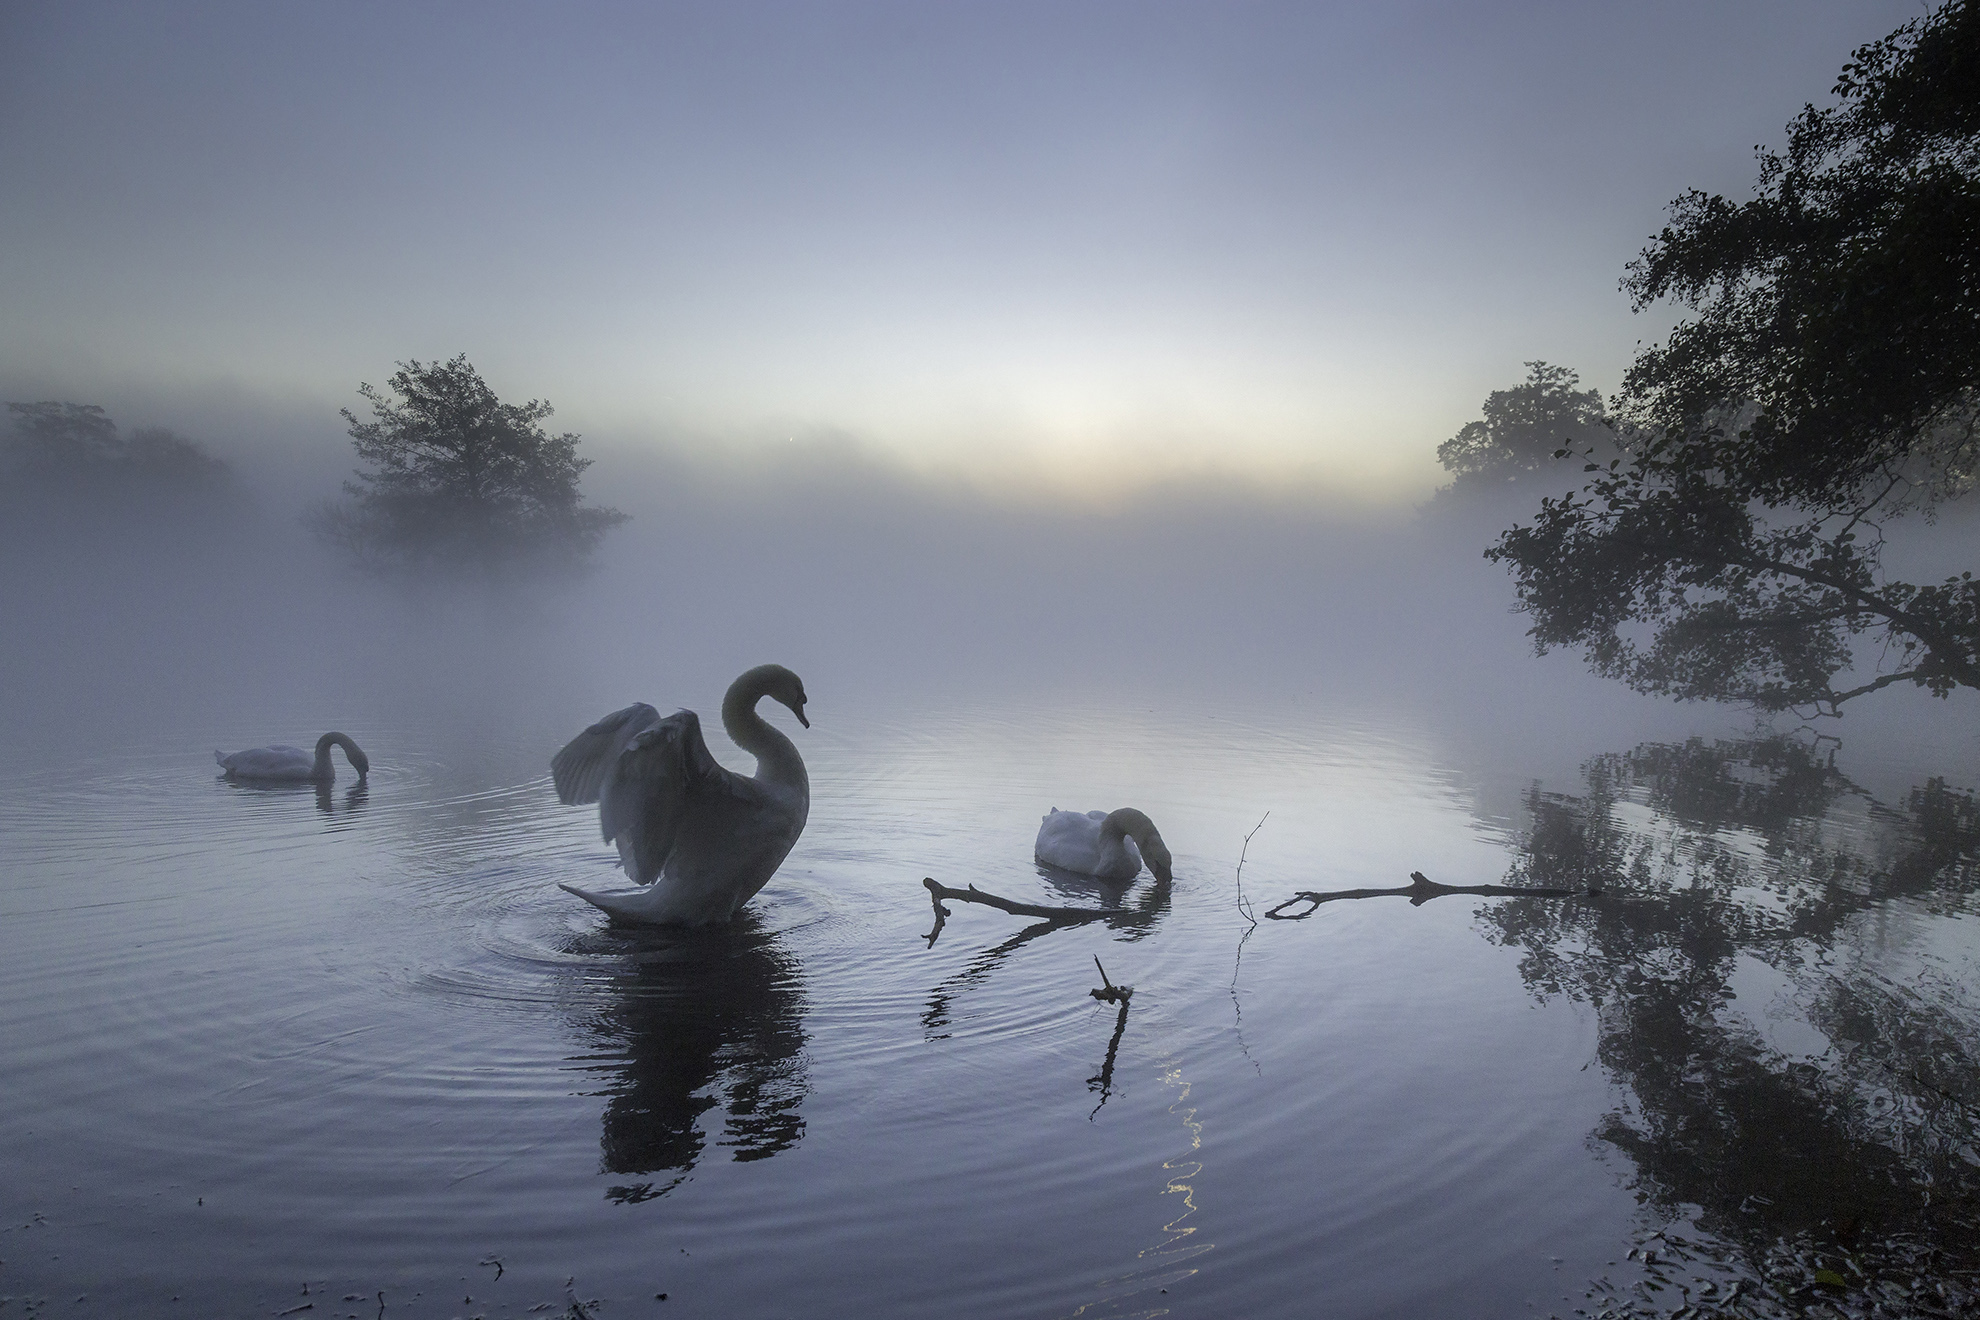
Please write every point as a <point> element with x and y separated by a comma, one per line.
<point>700,840</point>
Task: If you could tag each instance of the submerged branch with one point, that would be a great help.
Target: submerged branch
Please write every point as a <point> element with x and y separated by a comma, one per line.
<point>1113,994</point>
<point>1421,889</point>
<point>1057,916</point>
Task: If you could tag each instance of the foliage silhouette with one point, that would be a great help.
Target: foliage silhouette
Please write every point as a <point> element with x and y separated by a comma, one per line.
<point>455,478</point>
<point>1827,382</point>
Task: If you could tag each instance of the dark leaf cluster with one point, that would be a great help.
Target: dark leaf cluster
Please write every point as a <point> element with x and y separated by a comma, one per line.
<point>1840,306</point>
<point>1685,589</point>
<point>1827,382</point>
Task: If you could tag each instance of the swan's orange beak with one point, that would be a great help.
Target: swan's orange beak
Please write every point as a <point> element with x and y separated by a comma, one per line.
<point>799,712</point>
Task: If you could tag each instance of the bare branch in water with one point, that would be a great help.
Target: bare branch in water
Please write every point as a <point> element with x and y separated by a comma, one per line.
<point>1245,910</point>
<point>1243,903</point>
<point>1058,916</point>
<point>1420,890</point>
<point>1113,994</point>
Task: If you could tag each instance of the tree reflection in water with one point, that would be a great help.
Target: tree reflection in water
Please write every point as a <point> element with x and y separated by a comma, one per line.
<point>1859,1159</point>
<point>699,1020</point>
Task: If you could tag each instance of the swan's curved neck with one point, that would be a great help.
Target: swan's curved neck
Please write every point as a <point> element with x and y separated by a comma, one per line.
<point>323,770</point>
<point>1128,823</point>
<point>776,756</point>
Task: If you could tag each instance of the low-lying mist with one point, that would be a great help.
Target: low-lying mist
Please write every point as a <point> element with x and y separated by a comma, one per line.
<point>881,585</point>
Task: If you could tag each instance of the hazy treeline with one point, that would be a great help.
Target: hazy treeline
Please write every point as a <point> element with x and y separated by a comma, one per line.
<point>451,479</point>
<point>67,463</point>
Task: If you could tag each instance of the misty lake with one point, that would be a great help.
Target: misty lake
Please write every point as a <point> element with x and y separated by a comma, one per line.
<point>354,1049</point>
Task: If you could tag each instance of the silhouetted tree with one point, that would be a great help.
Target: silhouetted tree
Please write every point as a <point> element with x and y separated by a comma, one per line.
<point>456,477</point>
<point>1829,380</point>
<point>1524,433</point>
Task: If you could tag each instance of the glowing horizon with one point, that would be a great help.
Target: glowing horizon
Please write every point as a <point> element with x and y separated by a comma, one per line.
<point>1119,243</point>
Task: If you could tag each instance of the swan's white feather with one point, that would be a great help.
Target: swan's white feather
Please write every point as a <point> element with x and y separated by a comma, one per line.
<point>580,770</point>
<point>664,772</point>
<point>277,762</point>
<point>1073,841</point>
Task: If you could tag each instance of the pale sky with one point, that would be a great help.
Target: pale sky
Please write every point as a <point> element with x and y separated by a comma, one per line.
<point>994,237</point>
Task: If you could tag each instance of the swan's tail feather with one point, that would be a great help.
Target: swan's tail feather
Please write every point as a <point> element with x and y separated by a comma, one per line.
<point>626,905</point>
<point>219,757</point>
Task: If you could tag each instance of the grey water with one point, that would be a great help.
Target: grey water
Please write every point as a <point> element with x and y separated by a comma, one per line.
<point>352,1049</point>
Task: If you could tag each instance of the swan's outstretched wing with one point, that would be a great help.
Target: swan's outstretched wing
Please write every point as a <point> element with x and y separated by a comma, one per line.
<point>579,771</point>
<point>664,773</point>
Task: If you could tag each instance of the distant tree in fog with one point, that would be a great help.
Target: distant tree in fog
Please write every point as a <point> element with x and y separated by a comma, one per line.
<point>454,477</point>
<point>1524,433</point>
<point>1827,382</point>
<point>73,448</point>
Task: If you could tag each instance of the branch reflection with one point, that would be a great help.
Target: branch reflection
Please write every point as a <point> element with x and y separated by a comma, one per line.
<point>1103,1081</point>
<point>1132,920</point>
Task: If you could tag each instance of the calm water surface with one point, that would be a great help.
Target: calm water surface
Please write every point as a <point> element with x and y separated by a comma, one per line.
<point>267,1047</point>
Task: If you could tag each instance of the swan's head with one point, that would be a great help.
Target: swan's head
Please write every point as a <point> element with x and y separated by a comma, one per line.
<point>788,688</point>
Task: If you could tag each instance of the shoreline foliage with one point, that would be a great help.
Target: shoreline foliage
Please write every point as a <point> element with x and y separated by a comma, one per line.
<point>1826,383</point>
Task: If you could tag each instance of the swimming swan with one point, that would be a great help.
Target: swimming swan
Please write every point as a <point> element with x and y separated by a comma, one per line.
<point>700,839</point>
<point>293,764</point>
<point>1103,844</point>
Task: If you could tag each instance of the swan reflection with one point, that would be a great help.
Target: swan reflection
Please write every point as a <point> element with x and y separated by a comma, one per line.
<point>328,800</point>
<point>354,797</point>
<point>703,1040</point>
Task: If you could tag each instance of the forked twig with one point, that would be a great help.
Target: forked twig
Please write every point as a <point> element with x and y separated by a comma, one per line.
<point>1245,910</point>
<point>1243,903</point>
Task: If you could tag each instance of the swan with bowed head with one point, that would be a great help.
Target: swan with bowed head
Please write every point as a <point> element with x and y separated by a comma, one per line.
<point>1109,844</point>
<point>700,840</point>
<point>292,765</point>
